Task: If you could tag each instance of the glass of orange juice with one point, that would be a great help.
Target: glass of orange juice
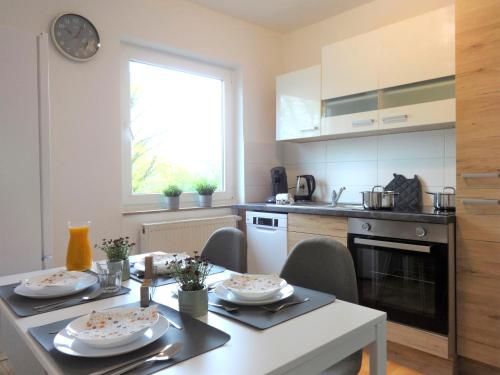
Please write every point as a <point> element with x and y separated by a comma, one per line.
<point>79,256</point>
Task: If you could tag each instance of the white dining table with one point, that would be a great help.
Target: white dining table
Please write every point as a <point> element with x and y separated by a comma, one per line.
<point>307,344</point>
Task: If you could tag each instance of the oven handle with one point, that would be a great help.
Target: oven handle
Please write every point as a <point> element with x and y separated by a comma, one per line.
<point>393,245</point>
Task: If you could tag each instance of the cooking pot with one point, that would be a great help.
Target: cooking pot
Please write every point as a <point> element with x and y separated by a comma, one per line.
<point>376,200</point>
<point>444,200</point>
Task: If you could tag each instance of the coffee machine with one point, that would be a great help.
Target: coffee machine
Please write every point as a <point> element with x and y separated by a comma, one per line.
<point>304,189</point>
<point>278,182</point>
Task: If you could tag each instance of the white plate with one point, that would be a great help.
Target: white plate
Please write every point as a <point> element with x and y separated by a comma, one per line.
<point>159,262</point>
<point>254,287</point>
<point>67,344</point>
<point>86,280</point>
<point>226,295</point>
<point>113,327</point>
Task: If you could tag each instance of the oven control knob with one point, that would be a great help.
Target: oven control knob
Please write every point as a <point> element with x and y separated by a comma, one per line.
<point>366,226</point>
<point>421,232</point>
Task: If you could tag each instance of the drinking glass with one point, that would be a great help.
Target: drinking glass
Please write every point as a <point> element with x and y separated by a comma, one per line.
<point>110,275</point>
<point>79,255</point>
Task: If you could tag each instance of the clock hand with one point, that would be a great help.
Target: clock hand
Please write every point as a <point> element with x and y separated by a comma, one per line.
<point>79,32</point>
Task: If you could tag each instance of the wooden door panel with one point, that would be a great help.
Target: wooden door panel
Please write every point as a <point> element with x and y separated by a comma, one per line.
<point>295,237</point>
<point>318,224</point>
<point>478,300</point>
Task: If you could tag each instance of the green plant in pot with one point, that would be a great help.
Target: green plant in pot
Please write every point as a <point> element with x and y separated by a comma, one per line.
<point>190,274</point>
<point>205,189</point>
<point>118,250</point>
<point>172,197</point>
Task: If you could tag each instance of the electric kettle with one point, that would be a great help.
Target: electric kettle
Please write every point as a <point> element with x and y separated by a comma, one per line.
<point>304,189</point>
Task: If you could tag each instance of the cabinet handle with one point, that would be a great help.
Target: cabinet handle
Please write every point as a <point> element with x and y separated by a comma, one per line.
<point>481,175</point>
<point>310,129</point>
<point>481,202</point>
<point>394,119</point>
<point>368,121</point>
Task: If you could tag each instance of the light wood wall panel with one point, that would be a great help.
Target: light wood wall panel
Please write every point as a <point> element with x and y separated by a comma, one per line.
<point>478,151</point>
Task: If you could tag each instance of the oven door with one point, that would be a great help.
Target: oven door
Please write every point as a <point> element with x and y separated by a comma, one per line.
<point>407,279</point>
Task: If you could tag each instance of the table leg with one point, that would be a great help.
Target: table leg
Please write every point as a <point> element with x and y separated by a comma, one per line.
<point>378,351</point>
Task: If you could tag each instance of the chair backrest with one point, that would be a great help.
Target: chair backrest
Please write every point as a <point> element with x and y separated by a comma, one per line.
<point>227,247</point>
<point>322,264</point>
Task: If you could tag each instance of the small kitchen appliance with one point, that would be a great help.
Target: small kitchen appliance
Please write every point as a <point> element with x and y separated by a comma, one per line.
<point>304,189</point>
<point>278,182</point>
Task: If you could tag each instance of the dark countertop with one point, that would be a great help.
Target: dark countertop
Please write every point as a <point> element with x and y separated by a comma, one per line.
<point>421,215</point>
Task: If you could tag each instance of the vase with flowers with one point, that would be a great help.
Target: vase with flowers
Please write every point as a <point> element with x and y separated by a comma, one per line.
<point>118,250</point>
<point>190,274</point>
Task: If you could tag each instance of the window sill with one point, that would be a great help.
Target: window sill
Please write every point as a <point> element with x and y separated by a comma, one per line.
<point>182,209</point>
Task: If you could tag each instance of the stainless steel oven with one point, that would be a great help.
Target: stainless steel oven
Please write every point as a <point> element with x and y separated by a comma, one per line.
<point>405,269</point>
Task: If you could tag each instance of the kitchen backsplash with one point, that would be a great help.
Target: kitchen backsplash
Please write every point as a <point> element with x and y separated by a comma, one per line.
<point>360,163</point>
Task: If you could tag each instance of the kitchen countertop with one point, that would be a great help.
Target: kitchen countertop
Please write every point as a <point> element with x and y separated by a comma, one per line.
<point>421,215</point>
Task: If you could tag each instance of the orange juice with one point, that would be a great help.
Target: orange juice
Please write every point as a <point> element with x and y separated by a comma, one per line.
<point>79,256</point>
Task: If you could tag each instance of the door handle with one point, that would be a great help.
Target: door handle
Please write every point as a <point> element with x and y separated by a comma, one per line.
<point>267,229</point>
<point>481,202</point>
<point>394,119</point>
<point>310,129</point>
<point>481,175</point>
<point>362,122</point>
<point>393,245</point>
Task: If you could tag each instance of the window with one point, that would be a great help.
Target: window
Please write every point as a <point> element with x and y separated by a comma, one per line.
<point>177,128</point>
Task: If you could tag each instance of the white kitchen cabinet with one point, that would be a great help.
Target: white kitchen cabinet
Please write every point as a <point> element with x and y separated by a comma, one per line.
<point>418,48</point>
<point>350,66</point>
<point>298,104</point>
<point>417,115</point>
<point>350,123</point>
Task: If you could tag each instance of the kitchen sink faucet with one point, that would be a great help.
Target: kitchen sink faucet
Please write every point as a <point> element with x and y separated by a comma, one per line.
<point>336,196</point>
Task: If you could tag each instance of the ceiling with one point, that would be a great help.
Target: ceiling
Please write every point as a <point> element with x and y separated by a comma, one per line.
<point>281,15</point>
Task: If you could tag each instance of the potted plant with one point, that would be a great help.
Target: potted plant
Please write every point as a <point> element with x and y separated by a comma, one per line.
<point>190,274</point>
<point>205,189</point>
<point>172,194</point>
<point>118,250</point>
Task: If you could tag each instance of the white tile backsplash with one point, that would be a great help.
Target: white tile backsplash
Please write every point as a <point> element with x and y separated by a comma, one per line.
<point>411,145</point>
<point>352,173</point>
<point>450,144</point>
<point>352,149</point>
<point>360,163</point>
<point>299,153</point>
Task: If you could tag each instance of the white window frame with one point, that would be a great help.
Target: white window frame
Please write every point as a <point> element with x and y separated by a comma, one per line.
<point>184,64</point>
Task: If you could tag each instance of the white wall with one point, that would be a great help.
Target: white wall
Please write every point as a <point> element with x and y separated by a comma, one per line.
<point>360,163</point>
<point>85,99</point>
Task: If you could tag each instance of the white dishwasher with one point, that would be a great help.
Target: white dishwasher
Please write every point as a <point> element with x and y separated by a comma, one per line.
<point>266,241</point>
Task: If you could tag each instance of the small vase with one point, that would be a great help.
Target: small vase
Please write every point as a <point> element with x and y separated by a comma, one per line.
<point>126,270</point>
<point>194,303</point>
<point>172,203</point>
<point>204,200</point>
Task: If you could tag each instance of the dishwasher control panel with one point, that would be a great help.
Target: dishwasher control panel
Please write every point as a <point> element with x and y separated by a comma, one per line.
<point>267,219</point>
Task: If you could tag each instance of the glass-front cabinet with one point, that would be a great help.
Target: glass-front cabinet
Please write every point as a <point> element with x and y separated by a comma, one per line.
<point>419,104</point>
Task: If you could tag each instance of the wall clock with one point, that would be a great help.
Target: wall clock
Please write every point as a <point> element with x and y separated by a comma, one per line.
<point>75,37</point>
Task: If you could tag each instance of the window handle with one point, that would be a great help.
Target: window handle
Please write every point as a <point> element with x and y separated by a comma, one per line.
<point>310,129</point>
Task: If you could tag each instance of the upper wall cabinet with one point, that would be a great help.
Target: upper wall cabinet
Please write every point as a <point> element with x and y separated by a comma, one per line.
<point>417,49</point>
<point>350,66</point>
<point>298,104</point>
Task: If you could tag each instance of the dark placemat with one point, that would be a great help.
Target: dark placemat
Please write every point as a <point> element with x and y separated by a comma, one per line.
<point>166,279</point>
<point>257,317</point>
<point>23,306</point>
<point>196,337</point>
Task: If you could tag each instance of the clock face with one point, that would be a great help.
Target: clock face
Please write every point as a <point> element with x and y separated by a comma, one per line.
<point>75,37</point>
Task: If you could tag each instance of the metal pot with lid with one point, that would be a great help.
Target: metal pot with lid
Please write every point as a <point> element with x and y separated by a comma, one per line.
<point>377,200</point>
<point>444,200</point>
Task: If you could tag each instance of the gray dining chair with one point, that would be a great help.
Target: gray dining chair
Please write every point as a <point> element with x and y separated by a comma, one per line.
<point>325,265</point>
<point>227,247</point>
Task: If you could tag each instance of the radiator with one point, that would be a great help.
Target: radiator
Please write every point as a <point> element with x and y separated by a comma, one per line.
<point>183,235</point>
